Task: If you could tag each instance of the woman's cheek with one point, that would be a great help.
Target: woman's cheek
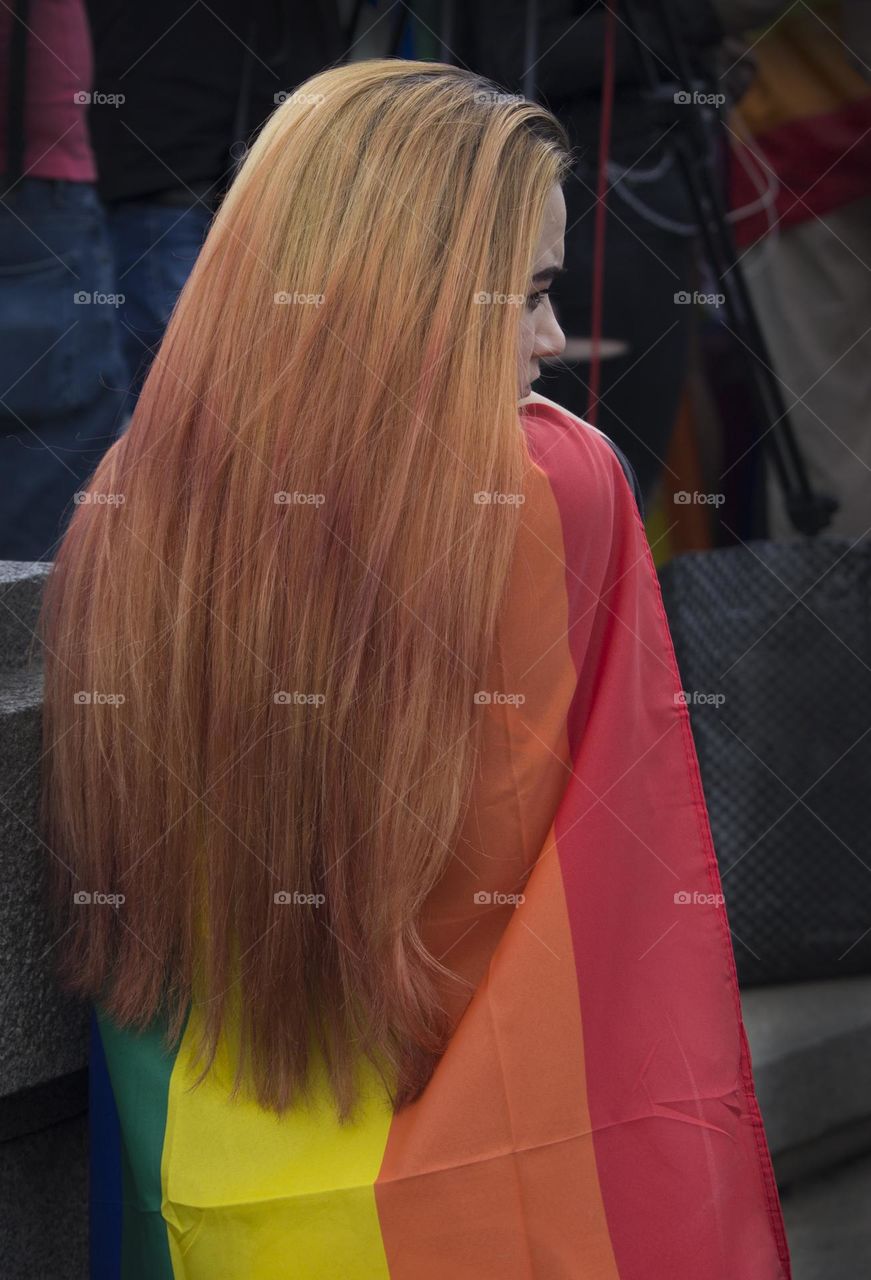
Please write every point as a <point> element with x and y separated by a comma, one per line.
<point>527,340</point>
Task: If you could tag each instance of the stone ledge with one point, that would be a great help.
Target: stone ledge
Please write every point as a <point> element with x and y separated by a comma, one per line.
<point>44,1031</point>
<point>21,586</point>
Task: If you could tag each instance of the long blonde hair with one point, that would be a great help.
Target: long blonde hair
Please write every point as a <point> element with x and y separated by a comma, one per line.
<point>277,598</point>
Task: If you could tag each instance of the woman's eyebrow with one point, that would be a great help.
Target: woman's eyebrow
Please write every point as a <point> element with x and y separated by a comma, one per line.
<point>546,272</point>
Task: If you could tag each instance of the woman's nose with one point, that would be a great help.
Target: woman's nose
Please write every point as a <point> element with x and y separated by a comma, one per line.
<point>550,341</point>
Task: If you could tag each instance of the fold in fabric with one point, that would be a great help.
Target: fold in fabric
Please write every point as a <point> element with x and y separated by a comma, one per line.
<point>594,1116</point>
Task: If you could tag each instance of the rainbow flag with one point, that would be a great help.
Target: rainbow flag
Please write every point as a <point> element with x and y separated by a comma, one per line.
<point>807,113</point>
<point>594,1115</point>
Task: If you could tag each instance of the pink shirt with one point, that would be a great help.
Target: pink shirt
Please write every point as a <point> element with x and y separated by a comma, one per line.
<point>59,66</point>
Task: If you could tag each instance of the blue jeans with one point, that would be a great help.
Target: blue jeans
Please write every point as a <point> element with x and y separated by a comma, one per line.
<point>155,246</point>
<point>61,372</point>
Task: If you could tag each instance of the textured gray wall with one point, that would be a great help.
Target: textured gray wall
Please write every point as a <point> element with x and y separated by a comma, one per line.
<point>43,1034</point>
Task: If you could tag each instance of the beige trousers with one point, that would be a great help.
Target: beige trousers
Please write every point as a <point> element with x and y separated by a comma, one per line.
<point>811,286</point>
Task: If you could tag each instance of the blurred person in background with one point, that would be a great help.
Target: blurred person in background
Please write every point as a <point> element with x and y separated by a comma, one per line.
<point>651,229</point>
<point>193,87</point>
<point>801,188</point>
<point>60,360</point>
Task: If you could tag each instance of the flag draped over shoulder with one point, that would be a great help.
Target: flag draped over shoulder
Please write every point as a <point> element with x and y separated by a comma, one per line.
<point>593,1117</point>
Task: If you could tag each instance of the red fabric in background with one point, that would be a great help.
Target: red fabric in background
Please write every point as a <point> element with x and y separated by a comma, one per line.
<point>59,66</point>
<point>821,162</point>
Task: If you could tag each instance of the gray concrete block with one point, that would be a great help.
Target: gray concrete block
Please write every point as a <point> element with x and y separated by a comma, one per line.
<point>44,1033</point>
<point>44,1204</point>
<point>20,597</point>
<point>810,1043</point>
<point>828,1227</point>
<point>32,1110</point>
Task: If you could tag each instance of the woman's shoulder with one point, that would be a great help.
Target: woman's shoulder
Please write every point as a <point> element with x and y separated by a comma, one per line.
<point>538,404</point>
<point>558,436</point>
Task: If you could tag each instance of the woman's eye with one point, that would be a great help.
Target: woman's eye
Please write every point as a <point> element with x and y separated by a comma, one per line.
<point>534,299</point>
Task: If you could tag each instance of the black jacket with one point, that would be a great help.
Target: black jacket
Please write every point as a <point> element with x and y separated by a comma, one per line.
<point>194,81</point>
<point>568,62</point>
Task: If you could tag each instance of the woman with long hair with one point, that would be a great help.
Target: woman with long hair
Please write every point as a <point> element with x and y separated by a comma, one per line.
<point>379,840</point>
